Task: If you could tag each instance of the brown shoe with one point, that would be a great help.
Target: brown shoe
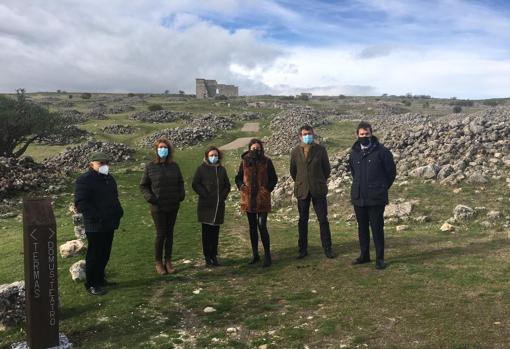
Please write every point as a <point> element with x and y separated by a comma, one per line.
<point>169,268</point>
<point>160,268</point>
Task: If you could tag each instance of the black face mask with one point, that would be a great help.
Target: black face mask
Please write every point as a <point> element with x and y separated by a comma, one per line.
<point>365,141</point>
<point>256,153</point>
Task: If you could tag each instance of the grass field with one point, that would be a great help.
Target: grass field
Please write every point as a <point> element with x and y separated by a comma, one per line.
<point>440,290</point>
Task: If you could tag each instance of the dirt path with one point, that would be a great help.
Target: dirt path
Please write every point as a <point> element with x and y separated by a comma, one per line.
<point>251,127</point>
<point>243,141</point>
<point>238,143</point>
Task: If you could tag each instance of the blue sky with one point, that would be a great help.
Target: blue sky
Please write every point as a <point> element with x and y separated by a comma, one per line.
<point>365,47</point>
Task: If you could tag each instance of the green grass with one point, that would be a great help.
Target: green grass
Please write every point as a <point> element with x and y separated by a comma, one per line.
<point>441,290</point>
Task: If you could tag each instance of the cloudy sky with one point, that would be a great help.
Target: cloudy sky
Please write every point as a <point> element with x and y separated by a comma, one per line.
<point>442,48</point>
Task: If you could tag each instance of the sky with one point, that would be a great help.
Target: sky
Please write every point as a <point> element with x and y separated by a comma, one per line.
<point>442,48</point>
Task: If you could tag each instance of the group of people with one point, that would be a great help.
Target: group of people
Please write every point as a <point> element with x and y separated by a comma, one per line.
<point>162,185</point>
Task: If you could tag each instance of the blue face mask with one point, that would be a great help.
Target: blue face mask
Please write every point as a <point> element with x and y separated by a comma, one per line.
<point>213,159</point>
<point>163,152</point>
<point>308,139</point>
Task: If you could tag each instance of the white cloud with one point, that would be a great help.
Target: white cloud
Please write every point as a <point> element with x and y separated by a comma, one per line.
<point>442,48</point>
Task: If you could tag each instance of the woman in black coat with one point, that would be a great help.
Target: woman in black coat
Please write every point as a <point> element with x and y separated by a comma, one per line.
<point>212,185</point>
<point>162,186</point>
<point>97,198</point>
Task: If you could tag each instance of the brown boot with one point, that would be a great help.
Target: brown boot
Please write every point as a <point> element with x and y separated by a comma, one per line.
<point>169,268</point>
<point>160,268</point>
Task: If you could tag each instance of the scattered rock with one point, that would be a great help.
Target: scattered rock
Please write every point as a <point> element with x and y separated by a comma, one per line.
<point>71,248</point>
<point>447,227</point>
<point>77,270</point>
<point>462,212</point>
<point>12,304</point>
<point>400,228</point>
<point>116,129</point>
<point>209,310</point>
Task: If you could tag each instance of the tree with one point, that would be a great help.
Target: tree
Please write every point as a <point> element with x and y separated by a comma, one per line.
<point>86,95</point>
<point>181,92</point>
<point>167,92</point>
<point>457,109</point>
<point>23,122</point>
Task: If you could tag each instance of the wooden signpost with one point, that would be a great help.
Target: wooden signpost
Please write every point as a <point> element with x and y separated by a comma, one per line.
<point>41,282</point>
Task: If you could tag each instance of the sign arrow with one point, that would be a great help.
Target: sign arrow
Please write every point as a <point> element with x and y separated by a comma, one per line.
<point>32,234</point>
<point>52,233</point>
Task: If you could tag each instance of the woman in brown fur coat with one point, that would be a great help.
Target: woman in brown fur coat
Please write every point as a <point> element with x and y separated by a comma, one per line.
<point>256,180</point>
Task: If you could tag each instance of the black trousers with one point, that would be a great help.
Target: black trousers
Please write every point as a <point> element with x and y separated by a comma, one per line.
<point>320,205</point>
<point>164,222</point>
<point>370,217</point>
<point>210,239</point>
<point>258,223</point>
<point>98,254</point>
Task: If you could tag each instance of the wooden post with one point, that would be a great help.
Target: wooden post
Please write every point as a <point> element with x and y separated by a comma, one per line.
<point>41,284</point>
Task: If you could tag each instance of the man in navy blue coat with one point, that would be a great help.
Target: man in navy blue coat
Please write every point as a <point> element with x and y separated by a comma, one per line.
<point>97,198</point>
<point>373,172</point>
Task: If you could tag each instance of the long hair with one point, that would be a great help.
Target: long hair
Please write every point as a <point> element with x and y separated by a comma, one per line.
<point>256,141</point>
<point>170,155</point>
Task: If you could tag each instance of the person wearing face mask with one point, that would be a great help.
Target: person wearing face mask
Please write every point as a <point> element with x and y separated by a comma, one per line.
<point>97,198</point>
<point>162,186</point>
<point>373,173</point>
<point>310,170</point>
<point>256,179</point>
<point>212,185</point>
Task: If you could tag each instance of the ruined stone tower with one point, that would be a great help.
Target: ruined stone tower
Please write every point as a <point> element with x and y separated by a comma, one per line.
<point>210,88</point>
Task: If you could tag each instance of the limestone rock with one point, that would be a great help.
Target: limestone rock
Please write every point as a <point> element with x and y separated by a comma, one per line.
<point>462,212</point>
<point>77,270</point>
<point>71,248</point>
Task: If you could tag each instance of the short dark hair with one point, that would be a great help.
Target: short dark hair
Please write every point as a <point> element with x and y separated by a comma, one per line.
<point>212,147</point>
<point>365,126</point>
<point>305,127</point>
<point>256,141</point>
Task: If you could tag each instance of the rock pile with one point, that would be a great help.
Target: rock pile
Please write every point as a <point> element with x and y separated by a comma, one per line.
<point>73,116</point>
<point>117,129</point>
<point>12,304</point>
<point>179,137</point>
<point>26,175</point>
<point>120,108</point>
<point>159,116</point>
<point>215,122</point>
<point>285,128</point>
<point>247,116</point>
<point>77,157</point>
<point>96,115</point>
<point>71,134</point>
<point>472,147</point>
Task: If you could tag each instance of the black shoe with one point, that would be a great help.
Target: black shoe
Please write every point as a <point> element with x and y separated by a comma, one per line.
<point>302,255</point>
<point>106,283</point>
<point>380,265</point>
<point>267,261</point>
<point>255,259</point>
<point>208,261</point>
<point>360,261</point>
<point>214,261</point>
<point>329,253</point>
<point>95,290</point>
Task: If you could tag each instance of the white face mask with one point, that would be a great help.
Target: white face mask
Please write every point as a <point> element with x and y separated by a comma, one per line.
<point>103,169</point>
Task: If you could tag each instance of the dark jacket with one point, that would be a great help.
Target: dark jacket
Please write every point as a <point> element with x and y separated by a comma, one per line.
<point>373,172</point>
<point>310,175</point>
<point>162,186</point>
<point>256,179</point>
<point>212,185</point>
<point>97,198</point>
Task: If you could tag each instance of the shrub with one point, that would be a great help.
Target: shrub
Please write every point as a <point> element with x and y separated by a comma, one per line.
<point>86,95</point>
<point>155,107</point>
<point>457,109</point>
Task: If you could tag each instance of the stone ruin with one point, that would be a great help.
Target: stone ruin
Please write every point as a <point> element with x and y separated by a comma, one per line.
<point>210,88</point>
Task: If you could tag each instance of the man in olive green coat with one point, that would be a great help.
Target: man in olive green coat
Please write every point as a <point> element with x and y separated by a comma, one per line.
<point>310,170</point>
